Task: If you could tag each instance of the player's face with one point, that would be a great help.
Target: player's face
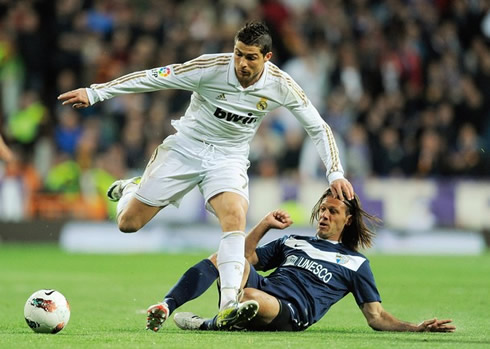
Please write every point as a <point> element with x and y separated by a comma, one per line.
<point>249,63</point>
<point>333,218</point>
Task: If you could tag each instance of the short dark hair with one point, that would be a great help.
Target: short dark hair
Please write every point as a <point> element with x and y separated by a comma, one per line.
<point>358,234</point>
<point>256,34</point>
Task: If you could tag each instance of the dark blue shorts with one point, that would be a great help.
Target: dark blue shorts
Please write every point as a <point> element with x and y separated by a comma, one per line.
<point>287,318</point>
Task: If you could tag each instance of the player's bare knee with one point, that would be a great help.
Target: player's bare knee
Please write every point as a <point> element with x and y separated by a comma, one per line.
<point>127,225</point>
<point>249,294</point>
<point>233,219</point>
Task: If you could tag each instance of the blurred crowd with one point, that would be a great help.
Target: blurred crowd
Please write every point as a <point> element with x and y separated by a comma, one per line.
<point>404,84</point>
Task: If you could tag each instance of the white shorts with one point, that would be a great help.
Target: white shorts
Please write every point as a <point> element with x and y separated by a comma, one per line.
<point>180,163</point>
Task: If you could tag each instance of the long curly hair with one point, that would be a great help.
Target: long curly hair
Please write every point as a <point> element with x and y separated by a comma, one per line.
<point>360,233</point>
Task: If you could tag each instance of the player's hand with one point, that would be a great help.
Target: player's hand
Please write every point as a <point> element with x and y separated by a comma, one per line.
<point>434,325</point>
<point>278,219</point>
<point>77,98</point>
<point>340,187</point>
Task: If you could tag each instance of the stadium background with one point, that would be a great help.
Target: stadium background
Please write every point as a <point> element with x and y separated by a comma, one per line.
<point>405,86</point>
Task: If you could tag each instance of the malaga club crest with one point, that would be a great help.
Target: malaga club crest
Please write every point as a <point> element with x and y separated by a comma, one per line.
<point>341,259</point>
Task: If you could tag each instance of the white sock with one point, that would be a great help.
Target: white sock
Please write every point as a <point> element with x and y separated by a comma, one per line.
<point>128,193</point>
<point>231,261</point>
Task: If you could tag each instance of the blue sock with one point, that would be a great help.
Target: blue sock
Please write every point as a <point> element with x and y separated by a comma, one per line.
<point>209,325</point>
<point>195,281</point>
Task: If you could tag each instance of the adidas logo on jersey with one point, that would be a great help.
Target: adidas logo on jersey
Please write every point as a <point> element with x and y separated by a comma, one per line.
<point>221,97</point>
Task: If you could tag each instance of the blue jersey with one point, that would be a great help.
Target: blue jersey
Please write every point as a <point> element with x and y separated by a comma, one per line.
<point>313,274</point>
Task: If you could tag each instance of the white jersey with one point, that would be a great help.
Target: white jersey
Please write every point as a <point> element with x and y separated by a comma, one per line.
<point>221,111</point>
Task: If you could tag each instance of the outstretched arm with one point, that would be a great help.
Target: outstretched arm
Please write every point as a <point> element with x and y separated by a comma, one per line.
<point>380,320</point>
<point>324,140</point>
<point>277,219</point>
<point>174,76</point>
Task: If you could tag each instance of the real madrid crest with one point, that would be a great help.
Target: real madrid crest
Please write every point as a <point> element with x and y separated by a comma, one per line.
<point>262,104</point>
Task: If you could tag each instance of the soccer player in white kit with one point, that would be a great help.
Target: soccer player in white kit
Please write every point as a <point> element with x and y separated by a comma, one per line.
<point>232,93</point>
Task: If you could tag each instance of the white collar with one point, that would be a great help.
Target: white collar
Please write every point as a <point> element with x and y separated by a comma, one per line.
<point>233,80</point>
<point>335,242</point>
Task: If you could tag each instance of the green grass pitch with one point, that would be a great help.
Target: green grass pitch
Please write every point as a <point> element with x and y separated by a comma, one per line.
<point>109,293</point>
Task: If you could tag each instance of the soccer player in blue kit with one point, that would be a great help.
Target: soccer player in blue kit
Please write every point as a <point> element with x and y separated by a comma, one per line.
<point>232,94</point>
<point>312,274</point>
